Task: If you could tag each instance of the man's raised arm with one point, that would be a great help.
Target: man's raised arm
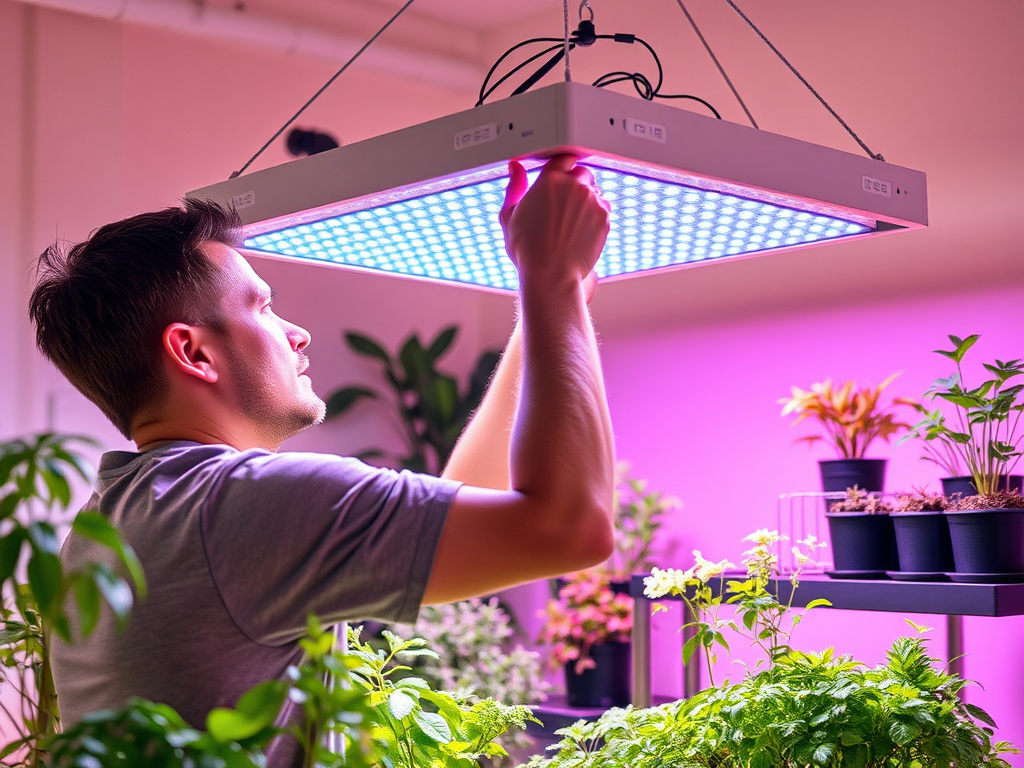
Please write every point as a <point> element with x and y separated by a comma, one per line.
<point>558,515</point>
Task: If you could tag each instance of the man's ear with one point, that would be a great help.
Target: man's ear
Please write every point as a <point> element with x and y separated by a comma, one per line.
<point>188,351</point>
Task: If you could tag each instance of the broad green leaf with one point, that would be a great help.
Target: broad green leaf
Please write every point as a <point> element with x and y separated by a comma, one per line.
<point>256,710</point>
<point>10,549</point>
<point>434,726</point>
<point>340,401</point>
<point>9,504</point>
<point>441,343</point>
<point>87,598</point>
<point>44,538</point>
<point>115,591</point>
<point>367,347</point>
<point>818,603</point>
<point>415,363</point>
<point>980,714</point>
<point>44,578</point>
<point>92,525</point>
<point>56,484</point>
<point>401,704</point>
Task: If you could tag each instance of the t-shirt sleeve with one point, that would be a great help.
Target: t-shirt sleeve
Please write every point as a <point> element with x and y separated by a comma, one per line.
<point>291,534</point>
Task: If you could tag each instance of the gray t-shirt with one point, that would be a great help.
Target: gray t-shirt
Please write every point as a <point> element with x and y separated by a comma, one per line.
<point>238,548</point>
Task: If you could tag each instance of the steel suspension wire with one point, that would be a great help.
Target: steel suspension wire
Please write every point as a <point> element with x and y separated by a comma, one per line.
<point>565,49</point>
<point>325,86</point>
<point>803,80</point>
<point>714,58</point>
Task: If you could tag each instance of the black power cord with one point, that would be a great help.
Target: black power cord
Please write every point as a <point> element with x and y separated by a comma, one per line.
<point>584,36</point>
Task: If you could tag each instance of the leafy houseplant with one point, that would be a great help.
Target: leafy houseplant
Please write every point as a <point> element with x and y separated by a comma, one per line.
<point>473,657</point>
<point>36,589</point>
<point>861,532</point>
<point>589,627</point>
<point>851,419</point>
<point>986,527</point>
<point>431,411</point>
<point>417,726</point>
<point>983,435</point>
<point>639,516</point>
<point>800,710</point>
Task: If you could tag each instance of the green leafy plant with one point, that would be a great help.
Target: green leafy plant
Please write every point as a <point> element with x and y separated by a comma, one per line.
<point>760,615</point>
<point>430,410</point>
<point>417,726</point>
<point>473,640</point>
<point>37,591</point>
<point>809,710</point>
<point>800,710</point>
<point>852,418</point>
<point>640,514</point>
<point>144,733</point>
<point>983,433</point>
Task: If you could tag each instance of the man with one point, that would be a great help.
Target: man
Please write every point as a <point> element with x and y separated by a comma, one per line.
<point>168,329</point>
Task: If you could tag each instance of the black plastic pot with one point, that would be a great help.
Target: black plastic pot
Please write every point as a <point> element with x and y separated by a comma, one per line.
<point>922,542</point>
<point>965,486</point>
<point>862,542</point>
<point>607,684</point>
<point>988,541</point>
<point>839,474</point>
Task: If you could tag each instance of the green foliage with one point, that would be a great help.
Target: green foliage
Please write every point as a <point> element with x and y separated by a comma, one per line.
<point>639,516</point>
<point>983,434</point>
<point>431,411</point>
<point>806,710</point>
<point>417,727</point>
<point>35,487</point>
<point>144,733</point>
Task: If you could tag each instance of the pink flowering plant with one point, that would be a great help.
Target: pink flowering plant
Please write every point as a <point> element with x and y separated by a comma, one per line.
<point>586,614</point>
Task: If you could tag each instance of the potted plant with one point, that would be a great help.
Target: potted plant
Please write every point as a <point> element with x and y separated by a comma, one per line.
<point>861,533</point>
<point>640,514</point>
<point>589,627</point>
<point>983,436</point>
<point>793,709</point>
<point>851,419</point>
<point>923,546</point>
<point>986,519</point>
<point>431,411</point>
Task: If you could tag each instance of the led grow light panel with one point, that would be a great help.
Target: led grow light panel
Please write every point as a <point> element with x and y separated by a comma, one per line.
<point>455,235</point>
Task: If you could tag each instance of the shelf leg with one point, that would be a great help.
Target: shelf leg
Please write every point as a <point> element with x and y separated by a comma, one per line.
<point>691,671</point>
<point>641,652</point>
<point>955,645</point>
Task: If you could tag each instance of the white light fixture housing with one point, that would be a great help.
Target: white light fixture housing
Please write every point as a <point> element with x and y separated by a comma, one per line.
<point>685,189</point>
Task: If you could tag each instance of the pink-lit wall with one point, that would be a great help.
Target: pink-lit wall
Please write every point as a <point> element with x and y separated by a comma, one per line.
<point>99,120</point>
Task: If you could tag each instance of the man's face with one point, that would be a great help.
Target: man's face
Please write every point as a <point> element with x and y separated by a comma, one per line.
<point>265,361</point>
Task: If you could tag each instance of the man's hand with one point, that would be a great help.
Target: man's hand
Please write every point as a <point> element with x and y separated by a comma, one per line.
<point>554,231</point>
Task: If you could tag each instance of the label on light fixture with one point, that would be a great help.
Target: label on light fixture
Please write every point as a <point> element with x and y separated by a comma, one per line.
<point>877,186</point>
<point>479,135</point>
<point>644,130</point>
<point>244,200</point>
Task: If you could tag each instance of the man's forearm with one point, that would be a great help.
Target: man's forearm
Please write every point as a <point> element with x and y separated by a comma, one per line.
<point>481,457</point>
<point>562,446</point>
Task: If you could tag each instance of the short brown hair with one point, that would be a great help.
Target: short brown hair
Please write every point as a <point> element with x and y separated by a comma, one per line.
<point>101,306</point>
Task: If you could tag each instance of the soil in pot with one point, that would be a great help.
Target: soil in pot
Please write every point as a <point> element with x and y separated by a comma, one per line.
<point>839,474</point>
<point>923,547</point>
<point>607,684</point>
<point>862,542</point>
<point>965,486</point>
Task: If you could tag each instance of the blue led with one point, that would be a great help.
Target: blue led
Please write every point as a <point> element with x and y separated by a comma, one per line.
<point>455,235</point>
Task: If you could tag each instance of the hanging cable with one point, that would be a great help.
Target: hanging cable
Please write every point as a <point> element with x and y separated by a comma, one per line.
<point>714,58</point>
<point>326,85</point>
<point>785,61</point>
<point>565,49</point>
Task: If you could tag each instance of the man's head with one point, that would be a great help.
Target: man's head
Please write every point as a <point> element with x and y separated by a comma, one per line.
<point>109,310</point>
